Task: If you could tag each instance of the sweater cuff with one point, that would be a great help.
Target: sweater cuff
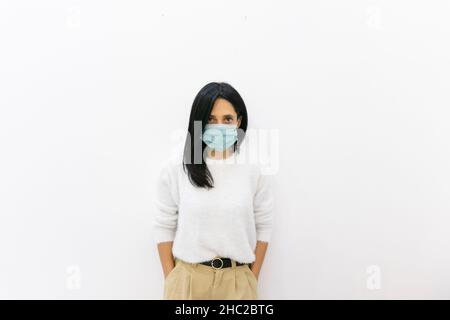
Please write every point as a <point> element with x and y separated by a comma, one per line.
<point>264,235</point>
<point>163,235</point>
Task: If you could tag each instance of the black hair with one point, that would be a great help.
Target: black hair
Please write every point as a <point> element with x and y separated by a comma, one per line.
<point>198,172</point>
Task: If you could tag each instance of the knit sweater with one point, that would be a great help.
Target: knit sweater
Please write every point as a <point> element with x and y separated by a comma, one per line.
<point>224,221</point>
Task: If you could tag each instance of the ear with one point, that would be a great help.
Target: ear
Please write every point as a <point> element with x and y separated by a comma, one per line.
<point>239,121</point>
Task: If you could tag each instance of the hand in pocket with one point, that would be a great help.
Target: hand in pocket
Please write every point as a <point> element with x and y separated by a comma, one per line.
<point>169,273</point>
<point>253,274</point>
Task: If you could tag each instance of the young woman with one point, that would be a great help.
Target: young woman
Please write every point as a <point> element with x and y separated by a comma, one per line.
<point>214,211</point>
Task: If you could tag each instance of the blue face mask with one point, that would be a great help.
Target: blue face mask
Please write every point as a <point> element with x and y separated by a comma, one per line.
<point>220,136</point>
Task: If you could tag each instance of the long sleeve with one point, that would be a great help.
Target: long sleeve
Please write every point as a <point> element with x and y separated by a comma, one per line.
<point>166,207</point>
<point>263,204</point>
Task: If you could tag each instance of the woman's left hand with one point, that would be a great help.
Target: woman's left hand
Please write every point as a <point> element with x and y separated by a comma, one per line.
<point>256,273</point>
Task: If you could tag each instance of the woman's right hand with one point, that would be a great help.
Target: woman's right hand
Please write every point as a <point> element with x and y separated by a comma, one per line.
<point>167,273</point>
<point>166,257</point>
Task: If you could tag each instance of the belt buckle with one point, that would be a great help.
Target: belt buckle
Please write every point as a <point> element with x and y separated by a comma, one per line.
<point>212,263</point>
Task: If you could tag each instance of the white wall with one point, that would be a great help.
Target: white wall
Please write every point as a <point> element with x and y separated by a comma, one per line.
<point>94,93</point>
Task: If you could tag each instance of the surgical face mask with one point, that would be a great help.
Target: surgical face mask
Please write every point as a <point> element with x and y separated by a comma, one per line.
<point>220,136</point>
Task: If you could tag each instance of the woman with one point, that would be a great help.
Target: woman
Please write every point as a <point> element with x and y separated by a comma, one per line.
<point>214,211</point>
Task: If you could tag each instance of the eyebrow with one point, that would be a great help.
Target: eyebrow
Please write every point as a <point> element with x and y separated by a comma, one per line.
<point>225,115</point>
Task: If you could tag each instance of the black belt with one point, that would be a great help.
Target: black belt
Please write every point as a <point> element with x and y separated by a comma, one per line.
<point>219,263</point>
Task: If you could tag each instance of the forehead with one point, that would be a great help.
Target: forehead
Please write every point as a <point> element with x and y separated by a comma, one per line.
<point>222,107</point>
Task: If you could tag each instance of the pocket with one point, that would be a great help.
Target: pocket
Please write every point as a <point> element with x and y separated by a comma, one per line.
<point>252,274</point>
<point>171,272</point>
<point>177,283</point>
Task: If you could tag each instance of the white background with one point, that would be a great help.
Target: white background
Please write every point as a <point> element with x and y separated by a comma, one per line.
<point>94,95</point>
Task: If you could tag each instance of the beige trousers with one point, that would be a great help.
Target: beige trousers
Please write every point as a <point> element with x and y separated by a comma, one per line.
<point>194,281</point>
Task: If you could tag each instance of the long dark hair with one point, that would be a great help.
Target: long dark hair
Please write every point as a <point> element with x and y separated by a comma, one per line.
<point>197,170</point>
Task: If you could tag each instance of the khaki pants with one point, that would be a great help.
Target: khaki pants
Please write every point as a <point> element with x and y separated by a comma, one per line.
<point>196,281</point>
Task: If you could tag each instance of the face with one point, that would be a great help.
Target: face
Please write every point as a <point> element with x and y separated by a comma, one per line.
<point>223,113</point>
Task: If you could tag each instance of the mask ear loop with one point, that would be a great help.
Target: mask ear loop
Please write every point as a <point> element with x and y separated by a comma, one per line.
<point>240,137</point>
<point>241,133</point>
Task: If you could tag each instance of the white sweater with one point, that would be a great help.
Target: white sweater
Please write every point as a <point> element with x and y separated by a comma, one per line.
<point>224,221</point>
